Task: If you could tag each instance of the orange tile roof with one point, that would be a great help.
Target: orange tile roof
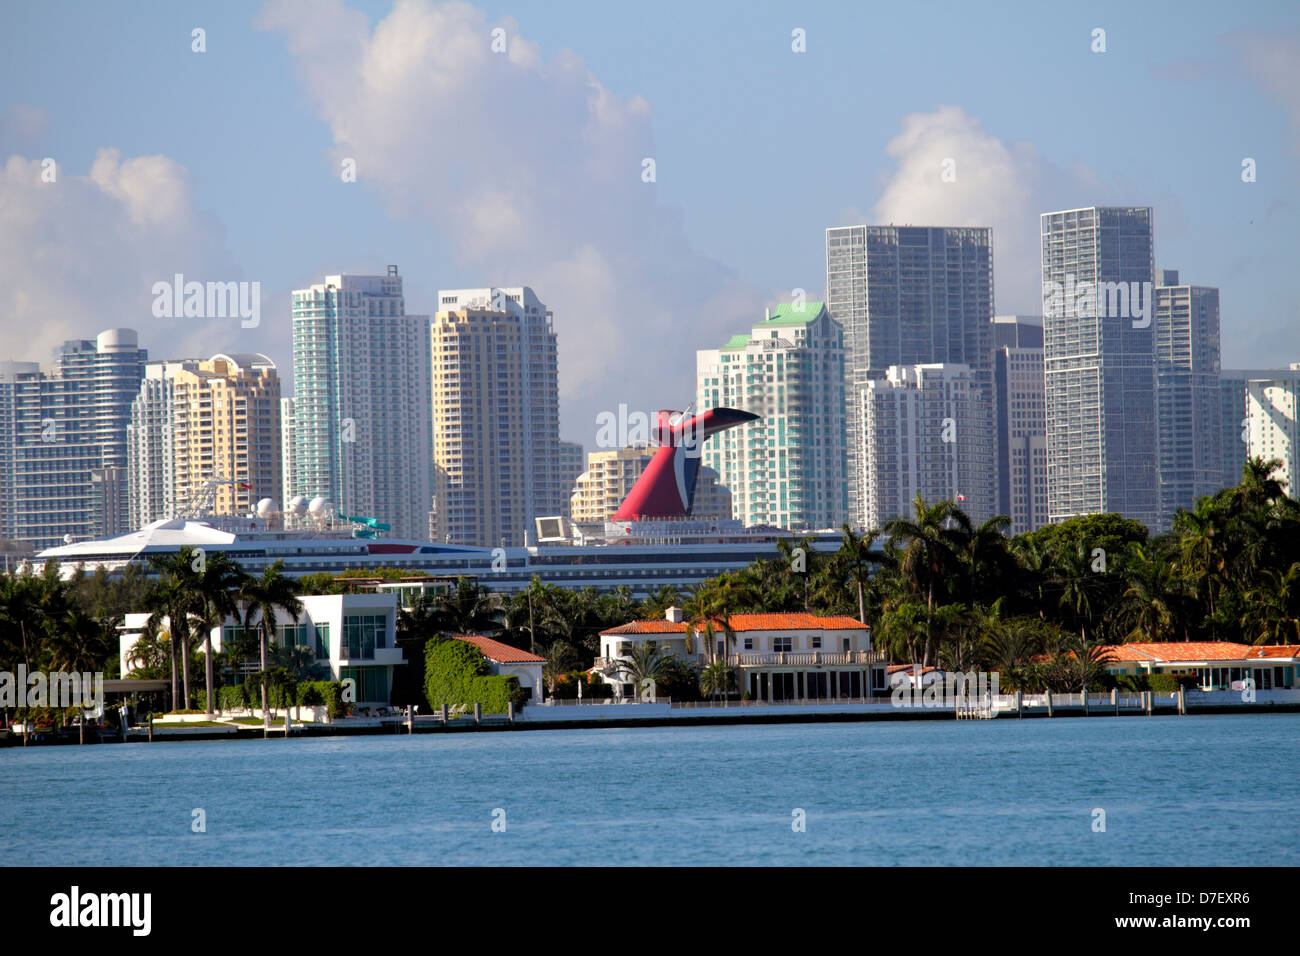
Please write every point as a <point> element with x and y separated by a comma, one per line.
<point>501,653</point>
<point>657,626</point>
<point>794,621</point>
<point>1276,650</point>
<point>1175,651</point>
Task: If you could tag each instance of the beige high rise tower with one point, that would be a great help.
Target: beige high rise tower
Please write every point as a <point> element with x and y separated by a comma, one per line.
<point>497,457</point>
<point>226,423</point>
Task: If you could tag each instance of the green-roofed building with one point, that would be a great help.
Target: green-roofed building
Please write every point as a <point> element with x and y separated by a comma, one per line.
<point>787,468</point>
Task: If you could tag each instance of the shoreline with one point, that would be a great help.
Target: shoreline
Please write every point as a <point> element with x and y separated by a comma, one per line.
<point>496,724</point>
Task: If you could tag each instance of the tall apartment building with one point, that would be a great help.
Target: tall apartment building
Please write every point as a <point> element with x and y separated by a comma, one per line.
<point>226,424</point>
<point>909,295</point>
<point>1020,420</point>
<point>497,456</point>
<point>609,477</point>
<point>785,469</point>
<point>1188,412</point>
<point>361,400</point>
<point>288,482</point>
<point>150,462</point>
<point>571,462</point>
<point>1234,437</point>
<point>69,423</point>
<point>1099,367</point>
<point>1269,426</point>
<point>923,433</point>
<point>9,375</point>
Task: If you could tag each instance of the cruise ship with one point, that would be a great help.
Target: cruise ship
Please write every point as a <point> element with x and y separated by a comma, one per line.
<point>651,542</point>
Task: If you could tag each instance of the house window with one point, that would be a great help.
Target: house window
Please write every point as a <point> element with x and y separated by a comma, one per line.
<point>749,643</point>
<point>362,633</point>
<point>817,642</point>
<point>780,644</point>
<point>293,635</point>
<point>323,641</point>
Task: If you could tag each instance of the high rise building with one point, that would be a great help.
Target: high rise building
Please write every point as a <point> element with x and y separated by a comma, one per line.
<point>498,461</point>
<point>226,425</point>
<point>69,423</point>
<point>1099,366</point>
<point>924,434</point>
<point>1272,421</point>
<point>150,461</point>
<point>1234,438</point>
<point>610,475</point>
<point>361,400</point>
<point>9,375</point>
<point>288,483</point>
<point>1020,420</point>
<point>909,295</point>
<point>785,469</point>
<point>1188,410</point>
<point>570,464</point>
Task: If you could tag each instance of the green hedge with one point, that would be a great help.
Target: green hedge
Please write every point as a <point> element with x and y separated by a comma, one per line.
<point>307,694</point>
<point>457,674</point>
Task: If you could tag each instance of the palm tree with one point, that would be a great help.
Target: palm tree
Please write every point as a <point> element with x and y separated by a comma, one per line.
<point>986,555</point>
<point>1151,593</point>
<point>716,678</point>
<point>930,551</point>
<point>167,601</point>
<point>643,661</point>
<point>263,596</point>
<point>216,597</point>
<point>470,609</point>
<point>79,642</point>
<point>1273,614</point>
<point>561,657</point>
<point>20,610</point>
<point>1080,586</point>
<point>653,607</point>
<point>856,557</point>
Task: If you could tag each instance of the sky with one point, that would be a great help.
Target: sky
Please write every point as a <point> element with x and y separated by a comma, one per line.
<point>528,166</point>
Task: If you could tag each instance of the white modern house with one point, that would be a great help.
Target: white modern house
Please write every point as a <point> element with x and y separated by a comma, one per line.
<point>354,635</point>
<point>778,657</point>
<point>511,661</point>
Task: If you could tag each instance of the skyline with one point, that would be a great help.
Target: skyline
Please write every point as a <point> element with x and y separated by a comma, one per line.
<point>247,188</point>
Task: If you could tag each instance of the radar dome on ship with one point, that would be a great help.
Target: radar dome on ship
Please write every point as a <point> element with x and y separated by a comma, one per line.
<point>298,505</point>
<point>318,506</point>
<point>267,507</point>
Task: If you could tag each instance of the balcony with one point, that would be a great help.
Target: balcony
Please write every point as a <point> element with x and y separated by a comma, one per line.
<point>807,658</point>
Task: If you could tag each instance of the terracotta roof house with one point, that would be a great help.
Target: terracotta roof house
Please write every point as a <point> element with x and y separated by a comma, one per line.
<point>779,657</point>
<point>505,659</point>
<point>1220,665</point>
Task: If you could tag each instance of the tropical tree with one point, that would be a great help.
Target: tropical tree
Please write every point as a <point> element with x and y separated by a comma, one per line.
<point>643,661</point>
<point>263,597</point>
<point>930,547</point>
<point>717,678</point>
<point>1274,608</point>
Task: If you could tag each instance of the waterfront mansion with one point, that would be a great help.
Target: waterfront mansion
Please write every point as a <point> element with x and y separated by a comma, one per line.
<point>778,657</point>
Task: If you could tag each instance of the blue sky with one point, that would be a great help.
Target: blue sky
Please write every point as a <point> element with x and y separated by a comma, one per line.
<point>757,150</point>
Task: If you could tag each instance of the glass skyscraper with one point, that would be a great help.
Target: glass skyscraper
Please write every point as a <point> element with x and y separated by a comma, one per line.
<point>1099,368</point>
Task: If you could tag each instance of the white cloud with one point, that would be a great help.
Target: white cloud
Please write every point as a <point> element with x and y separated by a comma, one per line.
<point>1005,186</point>
<point>80,254</point>
<point>533,169</point>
